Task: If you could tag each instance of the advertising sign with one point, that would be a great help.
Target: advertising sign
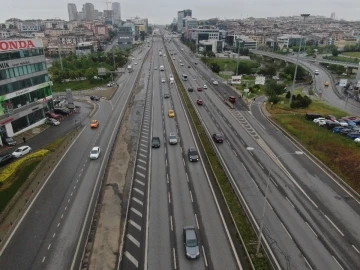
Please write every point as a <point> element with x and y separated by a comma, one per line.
<point>343,82</point>
<point>236,79</point>
<point>21,44</point>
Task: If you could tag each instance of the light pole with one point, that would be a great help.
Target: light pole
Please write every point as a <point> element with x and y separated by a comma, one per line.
<point>238,57</point>
<point>266,191</point>
<point>297,61</point>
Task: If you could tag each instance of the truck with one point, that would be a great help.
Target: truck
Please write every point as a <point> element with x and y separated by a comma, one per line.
<point>129,68</point>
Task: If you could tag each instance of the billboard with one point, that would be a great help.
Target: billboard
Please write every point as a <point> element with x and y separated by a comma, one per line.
<point>21,44</point>
<point>343,82</point>
<point>236,79</point>
<point>260,80</point>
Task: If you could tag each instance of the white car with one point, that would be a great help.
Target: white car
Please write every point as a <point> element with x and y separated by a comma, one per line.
<point>181,64</point>
<point>21,151</point>
<point>357,140</point>
<point>215,82</point>
<point>322,122</point>
<point>173,138</point>
<point>133,58</point>
<point>343,123</point>
<point>52,121</point>
<point>95,152</point>
<point>205,86</point>
<point>317,120</point>
<point>135,63</point>
<point>163,80</point>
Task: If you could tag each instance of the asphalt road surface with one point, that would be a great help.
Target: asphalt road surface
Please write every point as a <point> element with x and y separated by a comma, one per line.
<point>52,233</point>
<point>310,221</point>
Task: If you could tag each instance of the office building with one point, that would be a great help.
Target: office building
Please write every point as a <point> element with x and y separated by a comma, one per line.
<point>181,15</point>
<point>332,16</point>
<point>25,87</point>
<point>89,11</point>
<point>72,10</point>
<point>116,12</point>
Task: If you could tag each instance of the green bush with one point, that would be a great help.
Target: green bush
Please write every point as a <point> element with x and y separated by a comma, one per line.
<point>274,99</point>
<point>288,95</point>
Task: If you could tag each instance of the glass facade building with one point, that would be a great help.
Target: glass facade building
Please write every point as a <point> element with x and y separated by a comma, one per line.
<point>25,87</point>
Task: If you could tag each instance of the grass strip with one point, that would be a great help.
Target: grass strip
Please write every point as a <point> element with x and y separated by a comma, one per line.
<point>243,225</point>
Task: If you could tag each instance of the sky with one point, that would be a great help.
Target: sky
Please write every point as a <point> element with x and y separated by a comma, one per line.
<point>163,11</point>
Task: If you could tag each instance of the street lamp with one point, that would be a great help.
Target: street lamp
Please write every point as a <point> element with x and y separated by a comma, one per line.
<point>297,61</point>
<point>251,149</point>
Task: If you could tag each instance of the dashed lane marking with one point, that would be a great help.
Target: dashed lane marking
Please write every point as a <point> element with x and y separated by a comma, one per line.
<point>139,191</point>
<point>131,259</point>
<point>136,212</point>
<point>133,240</point>
<point>133,223</point>
<point>139,182</point>
<point>137,200</point>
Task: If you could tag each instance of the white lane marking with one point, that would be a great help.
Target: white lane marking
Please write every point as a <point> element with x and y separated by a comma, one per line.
<point>174,255</point>
<point>143,145</point>
<point>141,167</point>
<point>261,166</point>
<point>132,259</point>
<point>136,211</point>
<point>145,141</point>
<point>139,182</point>
<point>187,177</point>
<point>355,249</point>
<point>197,223</point>
<point>337,262</point>
<point>311,229</point>
<point>307,263</point>
<point>74,187</point>
<point>65,208</point>
<point>49,246</point>
<point>54,235</point>
<point>183,162</point>
<point>191,197</point>
<point>143,161</point>
<point>167,178</point>
<point>141,174</point>
<point>137,200</point>
<point>71,194</point>
<point>171,224</point>
<point>143,150</point>
<point>43,260</point>
<point>139,191</point>
<point>269,205</point>
<point>273,181</point>
<point>137,226</point>
<point>332,223</point>
<point>290,202</point>
<point>169,197</point>
<point>235,153</point>
<point>62,215</point>
<point>286,231</point>
<point>228,142</point>
<point>166,163</point>
<point>58,224</point>
<point>205,259</point>
<point>132,239</point>
<point>142,155</point>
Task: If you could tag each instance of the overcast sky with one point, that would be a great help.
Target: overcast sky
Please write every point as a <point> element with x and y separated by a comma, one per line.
<point>163,11</point>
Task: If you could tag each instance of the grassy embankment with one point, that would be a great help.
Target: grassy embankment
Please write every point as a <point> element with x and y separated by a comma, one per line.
<point>352,54</point>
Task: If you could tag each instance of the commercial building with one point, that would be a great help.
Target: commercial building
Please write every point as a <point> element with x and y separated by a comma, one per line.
<point>204,33</point>
<point>72,10</point>
<point>181,15</point>
<point>116,12</point>
<point>287,41</point>
<point>89,11</point>
<point>125,37</point>
<point>25,87</point>
<point>244,42</point>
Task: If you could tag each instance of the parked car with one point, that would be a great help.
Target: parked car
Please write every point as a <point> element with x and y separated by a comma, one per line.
<point>95,98</point>
<point>95,152</point>
<point>199,102</point>
<point>217,137</point>
<point>343,123</point>
<point>155,142</point>
<point>331,117</point>
<point>61,111</point>
<point>353,135</point>
<point>193,154</point>
<point>316,120</point>
<point>337,129</point>
<point>345,131</point>
<point>21,151</point>
<point>331,125</point>
<point>110,84</point>
<point>53,115</point>
<point>9,141</point>
<point>191,242</point>
<point>312,116</point>
<point>162,80</point>
<point>52,122</point>
<point>190,89</point>
<point>173,138</point>
<point>357,140</point>
<point>351,123</point>
<point>6,159</point>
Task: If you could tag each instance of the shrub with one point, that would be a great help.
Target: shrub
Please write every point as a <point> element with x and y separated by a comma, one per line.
<point>288,94</point>
<point>274,99</point>
<point>300,102</point>
<point>11,169</point>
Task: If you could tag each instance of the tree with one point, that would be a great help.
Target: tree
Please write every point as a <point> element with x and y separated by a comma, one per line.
<point>215,67</point>
<point>274,89</point>
<point>268,71</point>
<point>210,54</point>
<point>335,52</point>
<point>290,70</point>
<point>90,73</point>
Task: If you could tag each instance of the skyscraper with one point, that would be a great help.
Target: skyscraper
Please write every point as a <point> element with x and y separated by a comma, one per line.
<point>89,11</point>
<point>332,16</point>
<point>181,15</point>
<point>72,10</point>
<point>116,12</point>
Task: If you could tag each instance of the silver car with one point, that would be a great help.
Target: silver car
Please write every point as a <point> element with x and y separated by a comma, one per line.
<point>191,243</point>
<point>173,138</point>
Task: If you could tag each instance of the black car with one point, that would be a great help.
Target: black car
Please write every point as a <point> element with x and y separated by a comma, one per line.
<point>217,137</point>
<point>94,98</point>
<point>155,142</point>
<point>190,89</point>
<point>193,154</point>
<point>331,125</point>
<point>189,66</point>
<point>6,159</point>
<point>61,111</point>
<point>312,116</point>
<point>195,63</point>
<point>166,95</point>
<point>9,141</point>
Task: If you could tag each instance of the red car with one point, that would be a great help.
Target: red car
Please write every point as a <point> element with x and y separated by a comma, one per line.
<point>199,102</point>
<point>199,89</point>
<point>232,99</point>
<point>53,115</point>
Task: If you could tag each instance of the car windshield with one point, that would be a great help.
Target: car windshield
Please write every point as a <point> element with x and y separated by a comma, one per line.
<point>193,153</point>
<point>155,139</point>
<point>18,150</point>
<point>191,243</point>
<point>94,151</point>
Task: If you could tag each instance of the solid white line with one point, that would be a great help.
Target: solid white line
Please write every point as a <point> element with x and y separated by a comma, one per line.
<point>132,239</point>
<point>273,181</point>
<point>197,223</point>
<point>43,259</point>
<point>139,182</point>
<point>132,259</point>
<point>169,197</point>
<point>290,202</point>
<point>139,191</point>
<point>135,224</point>
<point>136,211</point>
<point>337,262</point>
<point>286,230</point>
<point>355,249</point>
<point>205,259</point>
<point>49,246</point>
<point>307,263</point>
<point>171,224</point>
<point>174,255</point>
<point>332,223</point>
<point>311,229</point>
<point>269,205</point>
<point>260,165</point>
<point>137,200</point>
<point>141,174</point>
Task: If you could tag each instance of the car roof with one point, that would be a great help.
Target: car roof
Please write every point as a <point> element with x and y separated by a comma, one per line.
<point>172,134</point>
<point>192,149</point>
<point>155,138</point>
<point>97,148</point>
<point>23,147</point>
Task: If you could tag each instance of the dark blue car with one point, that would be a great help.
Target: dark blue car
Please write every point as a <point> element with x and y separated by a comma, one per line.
<point>338,129</point>
<point>353,135</point>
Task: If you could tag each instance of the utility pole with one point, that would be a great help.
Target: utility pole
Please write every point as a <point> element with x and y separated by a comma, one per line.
<point>60,58</point>
<point>238,58</point>
<point>297,61</point>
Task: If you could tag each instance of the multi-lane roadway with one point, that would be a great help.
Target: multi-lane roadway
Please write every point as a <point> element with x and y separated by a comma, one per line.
<point>310,220</point>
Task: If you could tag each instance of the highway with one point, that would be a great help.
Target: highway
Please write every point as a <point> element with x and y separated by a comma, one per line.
<point>310,222</point>
<point>53,231</point>
<point>327,93</point>
<point>180,192</point>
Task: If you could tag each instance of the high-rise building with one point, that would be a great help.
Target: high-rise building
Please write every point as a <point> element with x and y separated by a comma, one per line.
<point>116,12</point>
<point>72,10</point>
<point>89,11</point>
<point>332,16</point>
<point>25,86</point>
<point>181,15</point>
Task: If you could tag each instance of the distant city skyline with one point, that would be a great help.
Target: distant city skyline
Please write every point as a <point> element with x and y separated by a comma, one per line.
<point>163,12</point>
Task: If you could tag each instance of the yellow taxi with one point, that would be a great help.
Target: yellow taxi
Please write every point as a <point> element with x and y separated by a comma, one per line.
<point>94,124</point>
<point>327,83</point>
<point>171,113</point>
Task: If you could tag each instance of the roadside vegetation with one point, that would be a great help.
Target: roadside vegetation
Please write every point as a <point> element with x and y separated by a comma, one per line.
<point>352,54</point>
<point>342,59</point>
<point>237,212</point>
<point>81,72</point>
